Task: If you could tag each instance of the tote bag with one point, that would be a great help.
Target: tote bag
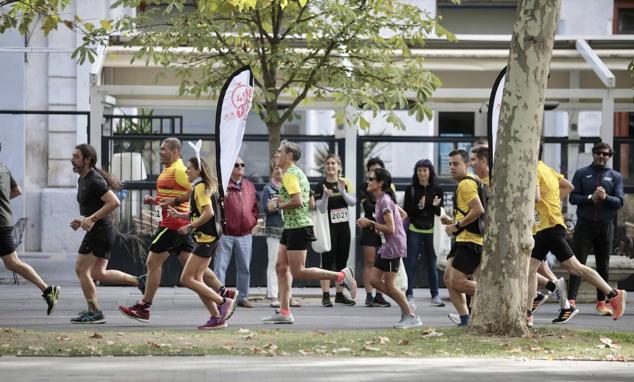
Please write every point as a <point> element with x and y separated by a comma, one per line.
<point>442,241</point>
<point>322,231</point>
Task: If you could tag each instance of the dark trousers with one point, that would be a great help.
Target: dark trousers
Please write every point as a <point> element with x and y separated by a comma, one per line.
<point>421,244</point>
<point>337,258</point>
<point>598,236</point>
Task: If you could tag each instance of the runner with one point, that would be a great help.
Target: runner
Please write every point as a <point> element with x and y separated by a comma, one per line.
<point>96,201</point>
<point>370,240</point>
<point>202,206</point>
<point>297,233</point>
<point>388,259</point>
<point>10,189</point>
<point>551,237</point>
<point>173,189</point>
<point>334,196</point>
<point>466,252</point>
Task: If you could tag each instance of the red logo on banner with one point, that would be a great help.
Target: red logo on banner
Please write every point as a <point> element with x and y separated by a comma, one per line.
<point>241,97</point>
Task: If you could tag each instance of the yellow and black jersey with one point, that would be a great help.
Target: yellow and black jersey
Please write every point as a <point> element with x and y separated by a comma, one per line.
<point>201,197</point>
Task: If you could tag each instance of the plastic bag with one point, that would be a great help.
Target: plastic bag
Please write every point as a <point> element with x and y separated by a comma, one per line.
<point>322,232</point>
<point>401,277</point>
<point>442,241</point>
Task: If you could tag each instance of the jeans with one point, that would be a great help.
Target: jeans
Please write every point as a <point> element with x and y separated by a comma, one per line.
<point>241,245</point>
<point>421,244</point>
<point>592,235</point>
<point>272,244</point>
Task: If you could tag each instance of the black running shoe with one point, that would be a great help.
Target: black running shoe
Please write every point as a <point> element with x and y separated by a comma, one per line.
<point>369,300</point>
<point>141,279</point>
<point>566,315</point>
<point>538,301</point>
<point>325,302</point>
<point>95,317</point>
<point>51,295</point>
<point>341,298</point>
<point>379,300</point>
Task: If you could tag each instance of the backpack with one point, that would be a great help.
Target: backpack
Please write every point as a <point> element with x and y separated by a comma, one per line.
<point>477,227</point>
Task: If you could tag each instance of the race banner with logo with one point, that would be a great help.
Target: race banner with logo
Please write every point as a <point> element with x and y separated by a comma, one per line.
<point>233,108</point>
<point>493,114</point>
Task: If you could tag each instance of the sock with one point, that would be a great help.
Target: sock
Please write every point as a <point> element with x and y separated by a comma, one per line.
<point>369,295</point>
<point>464,319</point>
<point>325,295</point>
<point>378,294</point>
<point>340,277</point>
<point>93,305</point>
<point>550,286</point>
<point>285,312</point>
<point>613,293</point>
<point>566,304</point>
<point>48,290</point>
<point>339,294</point>
<point>146,305</point>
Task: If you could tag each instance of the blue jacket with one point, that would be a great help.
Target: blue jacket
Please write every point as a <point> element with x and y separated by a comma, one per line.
<point>585,181</point>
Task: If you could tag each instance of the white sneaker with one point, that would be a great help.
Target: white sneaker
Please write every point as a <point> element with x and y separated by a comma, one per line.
<point>561,293</point>
<point>455,318</point>
<point>437,301</point>
<point>349,282</point>
<point>409,322</point>
<point>278,318</point>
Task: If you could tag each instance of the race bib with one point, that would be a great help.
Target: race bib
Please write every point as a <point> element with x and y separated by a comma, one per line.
<point>339,215</point>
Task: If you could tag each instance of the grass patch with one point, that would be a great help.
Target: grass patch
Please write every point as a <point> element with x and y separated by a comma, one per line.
<point>544,343</point>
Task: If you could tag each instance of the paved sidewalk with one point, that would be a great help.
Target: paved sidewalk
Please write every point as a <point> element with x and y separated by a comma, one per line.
<point>307,369</point>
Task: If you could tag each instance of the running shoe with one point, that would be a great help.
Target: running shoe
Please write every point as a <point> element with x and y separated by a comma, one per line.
<point>51,296</point>
<point>87,317</point>
<point>340,298</point>
<point>226,310</point>
<point>455,318</point>
<point>603,309</point>
<point>274,303</point>
<point>142,279</point>
<point>618,304</point>
<point>369,300</point>
<point>137,312</point>
<point>538,301</point>
<point>437,302</point>
<point>380,301</point>
<point>409,322</point>
<point>560,292</point>
<point>325,302</point>
<point>278,318</point>
<point>566,315</point>
<point>349,282</point>
<point>294,303</point>
<point>213,323</point>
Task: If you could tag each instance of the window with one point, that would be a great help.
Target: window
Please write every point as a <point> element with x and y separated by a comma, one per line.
<point>454,124</point>
<point>623,22</point>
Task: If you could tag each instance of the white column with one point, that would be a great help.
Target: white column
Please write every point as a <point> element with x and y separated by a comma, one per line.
<point>607,118</point>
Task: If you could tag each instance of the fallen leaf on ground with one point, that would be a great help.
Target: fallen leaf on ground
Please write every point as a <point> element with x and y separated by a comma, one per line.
<point>383,340</point>
<point>96,335</point>
<point>403,342</point>
<point>341,350</point>
<point>608,343</point>
<point>431,333</point>
<point>109,342</point>
<point>370,348</point>
<point>515,350</point>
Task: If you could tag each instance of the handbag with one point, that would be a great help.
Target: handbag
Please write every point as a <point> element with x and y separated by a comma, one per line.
<point>442,241</point>
<point>321,228</point>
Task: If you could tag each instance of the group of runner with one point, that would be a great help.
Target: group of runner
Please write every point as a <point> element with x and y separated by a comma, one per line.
<point>187,197</point>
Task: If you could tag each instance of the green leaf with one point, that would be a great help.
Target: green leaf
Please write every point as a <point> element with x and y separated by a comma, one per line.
<point>105,24</point>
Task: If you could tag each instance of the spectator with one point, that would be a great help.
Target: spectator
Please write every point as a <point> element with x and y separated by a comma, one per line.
<point>241,214</point>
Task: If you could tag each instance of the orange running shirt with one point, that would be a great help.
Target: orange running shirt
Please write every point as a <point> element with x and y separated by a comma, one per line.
<point>170,184</point>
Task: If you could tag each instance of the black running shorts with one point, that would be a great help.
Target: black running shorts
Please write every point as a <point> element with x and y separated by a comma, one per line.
<point>387,265</point>
<point>466,257</point>
<point>169,240</point>
<point>369,238</point>
<point>297,239</point>
<point>206,250</point>
<point>553,240</point>
<point>7,246</point>
<point>98,242</point>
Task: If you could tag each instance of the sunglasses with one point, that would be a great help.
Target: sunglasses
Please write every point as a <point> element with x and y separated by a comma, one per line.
<point>238,165</point>
<point>371,178</point>
<point>603,154</point>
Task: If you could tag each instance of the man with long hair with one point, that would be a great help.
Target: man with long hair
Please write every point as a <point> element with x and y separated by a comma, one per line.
<point>97,201</point>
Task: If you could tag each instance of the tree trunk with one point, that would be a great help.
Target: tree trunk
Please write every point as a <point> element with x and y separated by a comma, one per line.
<point>499,305</point>
<point>274,139</point>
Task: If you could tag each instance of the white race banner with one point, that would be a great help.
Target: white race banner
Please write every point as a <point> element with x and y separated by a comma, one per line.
<point>493,115</point>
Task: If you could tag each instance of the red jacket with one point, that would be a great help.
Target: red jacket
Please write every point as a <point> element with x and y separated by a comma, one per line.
<point>241,208</point>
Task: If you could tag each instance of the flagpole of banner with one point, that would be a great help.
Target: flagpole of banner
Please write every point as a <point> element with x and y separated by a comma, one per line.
<point>234,103</point>
<point>493,115</point>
